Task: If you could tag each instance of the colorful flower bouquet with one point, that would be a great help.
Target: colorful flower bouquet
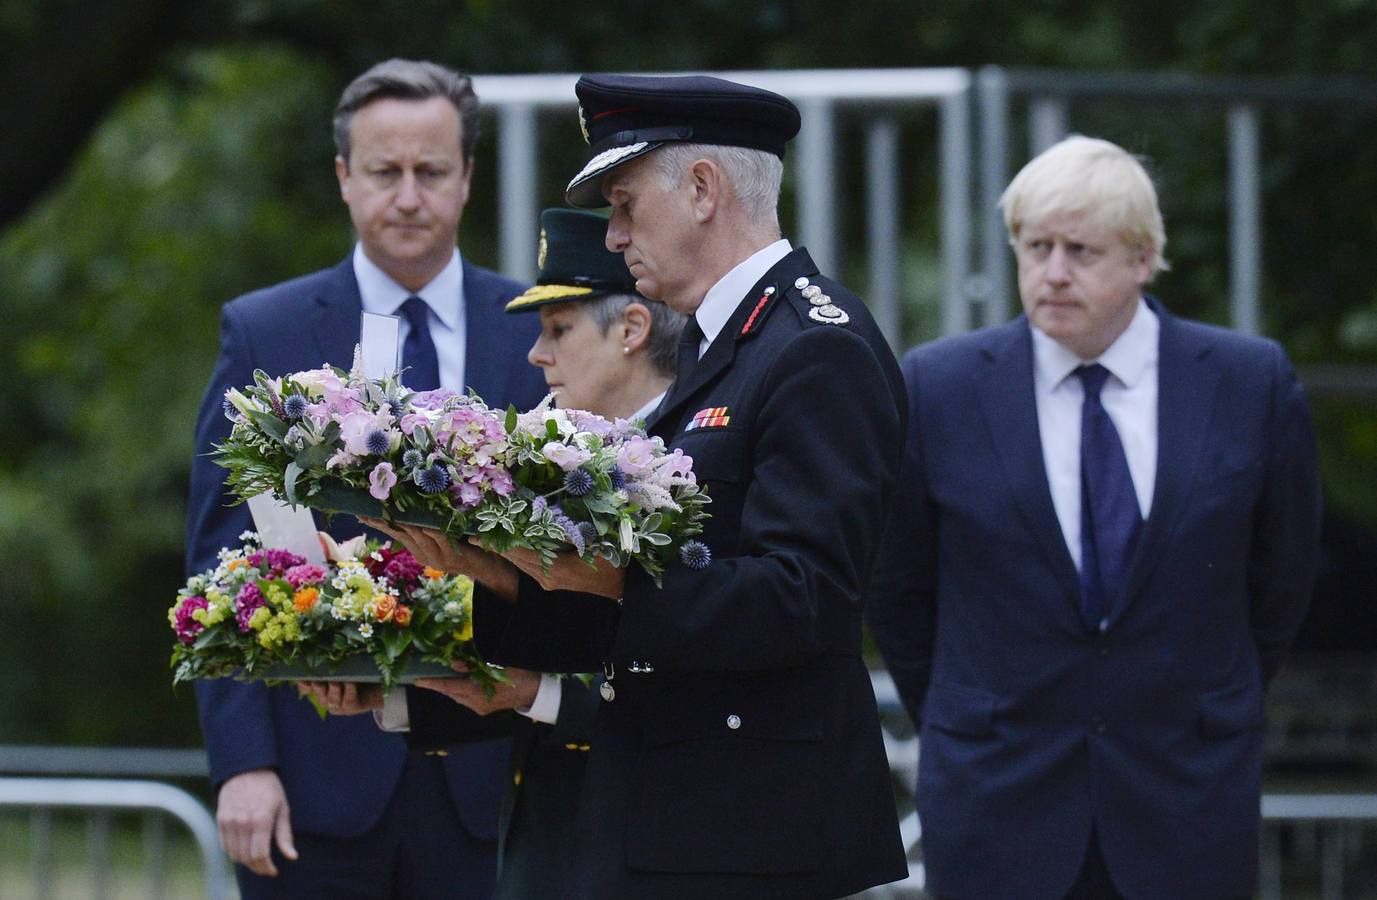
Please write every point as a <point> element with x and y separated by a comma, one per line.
<point>265,613</point>
<point>548,480</point>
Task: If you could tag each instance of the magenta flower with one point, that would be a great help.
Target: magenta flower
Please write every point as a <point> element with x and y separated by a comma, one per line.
<point>300,576</point>
<point>246,604</point>
<point>186,627</point>
<point>381,481</point>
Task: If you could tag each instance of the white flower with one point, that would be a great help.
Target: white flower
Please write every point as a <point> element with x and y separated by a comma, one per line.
<point>366,630</point>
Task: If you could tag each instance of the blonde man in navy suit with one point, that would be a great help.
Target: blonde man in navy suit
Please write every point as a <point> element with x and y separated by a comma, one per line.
<point>1104,545</point>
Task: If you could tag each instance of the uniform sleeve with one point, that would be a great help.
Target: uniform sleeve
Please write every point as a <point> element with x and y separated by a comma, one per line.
<point>823,456</point>
<point>1284,555</point>
<point>235,717</point>
<point>901,608</point>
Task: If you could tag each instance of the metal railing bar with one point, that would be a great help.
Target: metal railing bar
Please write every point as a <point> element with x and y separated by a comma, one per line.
<point>101,794</point>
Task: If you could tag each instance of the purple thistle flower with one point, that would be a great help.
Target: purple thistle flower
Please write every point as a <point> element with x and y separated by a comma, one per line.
<point>589,532</point>
<point>695,554</point>
<point>431,480</point>
<point>618,477</point>
<point>578,483</point>
<point>246,604</point>
<point>376,442</point>
<point>294,407</point>
<point>396,406</point>
<point>230,412</point>
<point>413,459</point>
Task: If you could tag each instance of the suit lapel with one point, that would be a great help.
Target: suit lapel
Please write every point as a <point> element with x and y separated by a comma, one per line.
<point>1186,387</point>
<point>1005,389</point>
<point>338,318</point>
<point>722,350</point>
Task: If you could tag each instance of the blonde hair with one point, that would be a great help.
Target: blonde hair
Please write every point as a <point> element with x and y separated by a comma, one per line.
<point>1096,178</point>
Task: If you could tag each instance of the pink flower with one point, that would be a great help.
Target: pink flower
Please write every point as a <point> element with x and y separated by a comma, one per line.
<point>186,627</point>
<point>469,495</point>
<point>566,457</point>
<point>636,456</point>
<point>381,481</point>
<point>677,465</point>
<point>411,421</point>
<point>356,427</point>
<point>501,482</point>
<point>300,576</point>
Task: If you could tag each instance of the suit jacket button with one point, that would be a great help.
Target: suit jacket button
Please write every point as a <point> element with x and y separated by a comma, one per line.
<point>733,722</point>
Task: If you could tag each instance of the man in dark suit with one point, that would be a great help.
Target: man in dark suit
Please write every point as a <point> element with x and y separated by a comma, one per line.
<point>340,799</point>
<point>1105,543</point>
<point>738,753</point>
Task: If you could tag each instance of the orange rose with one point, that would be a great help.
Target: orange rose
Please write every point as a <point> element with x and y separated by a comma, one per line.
<point>402,616</point>
<point>384,607</point>
<point>305,599</point>
<point>432,573</point>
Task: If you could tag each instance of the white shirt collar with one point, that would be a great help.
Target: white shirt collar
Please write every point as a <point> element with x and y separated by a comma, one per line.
<point>723,298</point>
<point>1129,358</point>
<point>444,294</point>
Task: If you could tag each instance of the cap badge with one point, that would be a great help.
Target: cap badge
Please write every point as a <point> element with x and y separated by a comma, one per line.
<point>542,250</point>
<point>583,126</point>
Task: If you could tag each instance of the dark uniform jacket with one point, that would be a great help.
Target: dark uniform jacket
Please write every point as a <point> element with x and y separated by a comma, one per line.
<point>742,754</point>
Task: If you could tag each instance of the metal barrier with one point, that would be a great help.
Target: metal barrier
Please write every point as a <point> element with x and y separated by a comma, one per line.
<point>98,798</point>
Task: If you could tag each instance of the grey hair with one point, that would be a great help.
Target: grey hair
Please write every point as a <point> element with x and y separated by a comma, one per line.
<point>408,79</point>
<point>665,326</point>
<point>755,175</point>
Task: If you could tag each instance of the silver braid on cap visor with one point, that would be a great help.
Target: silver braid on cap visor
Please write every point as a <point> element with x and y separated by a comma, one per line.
<point>605,160</point>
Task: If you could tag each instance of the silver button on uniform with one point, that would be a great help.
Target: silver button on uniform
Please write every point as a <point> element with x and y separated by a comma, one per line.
<point>733,722</point>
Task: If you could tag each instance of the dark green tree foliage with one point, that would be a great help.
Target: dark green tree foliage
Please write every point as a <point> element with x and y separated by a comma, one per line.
<point>160,158</point>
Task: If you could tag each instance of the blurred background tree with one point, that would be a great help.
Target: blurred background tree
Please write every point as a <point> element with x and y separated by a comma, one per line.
<point>160,158</point>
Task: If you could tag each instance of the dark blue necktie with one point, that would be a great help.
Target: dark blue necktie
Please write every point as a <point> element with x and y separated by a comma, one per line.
<point>418,351</point>
<point>1110,520</point>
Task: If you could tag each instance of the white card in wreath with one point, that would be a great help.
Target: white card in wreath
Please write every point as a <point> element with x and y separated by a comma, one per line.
<point>380,344</point>
<point>282,526</point>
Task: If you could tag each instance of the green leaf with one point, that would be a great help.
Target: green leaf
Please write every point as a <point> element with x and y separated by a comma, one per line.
<point>289,478</point>
<point>271,425</point>
<point>511,418</point>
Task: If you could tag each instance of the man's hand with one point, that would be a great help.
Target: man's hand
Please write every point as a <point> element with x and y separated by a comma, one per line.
<point>251,812</point>
<point>570,573</point>
<point>343,698</point>
<point>520,693</point>
<point>433,548</point>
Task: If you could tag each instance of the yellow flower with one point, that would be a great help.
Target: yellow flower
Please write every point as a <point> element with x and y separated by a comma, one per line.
<point>260,618</point>
<point>432,573</point>
<point>464,633</point>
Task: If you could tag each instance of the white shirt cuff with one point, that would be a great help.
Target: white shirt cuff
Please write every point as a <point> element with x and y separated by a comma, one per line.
<point>545,707</point>
<point>394,716</point>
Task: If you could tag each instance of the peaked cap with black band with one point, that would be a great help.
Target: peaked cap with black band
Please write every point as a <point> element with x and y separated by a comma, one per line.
<point>626,116</point>
<point>574,262</point>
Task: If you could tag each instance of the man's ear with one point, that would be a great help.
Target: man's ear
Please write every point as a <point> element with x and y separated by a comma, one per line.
<point>342,175</point>
<point>707,183</point>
